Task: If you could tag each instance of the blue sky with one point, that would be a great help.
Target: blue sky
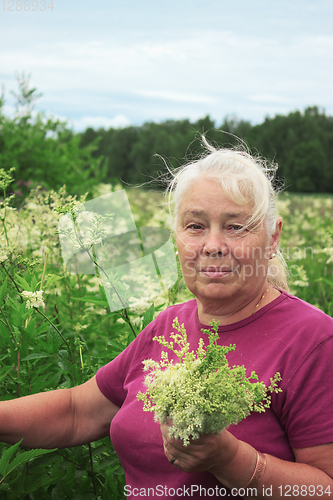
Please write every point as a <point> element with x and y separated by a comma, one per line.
<point>113,63</point>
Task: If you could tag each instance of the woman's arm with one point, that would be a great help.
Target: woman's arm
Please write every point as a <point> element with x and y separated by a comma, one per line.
<point>233,463</point>
<point>57,419</point>
<point>309,477</point>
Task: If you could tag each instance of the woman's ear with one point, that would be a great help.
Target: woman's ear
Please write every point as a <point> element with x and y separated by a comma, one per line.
<point>275,238</point>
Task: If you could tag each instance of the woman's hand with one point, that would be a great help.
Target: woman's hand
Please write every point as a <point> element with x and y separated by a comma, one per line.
<point>232,462</point>
<point>211,452</point>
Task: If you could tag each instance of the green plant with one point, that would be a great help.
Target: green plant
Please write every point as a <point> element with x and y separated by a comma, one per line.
<point>56,330</point>
<point>77,333</point>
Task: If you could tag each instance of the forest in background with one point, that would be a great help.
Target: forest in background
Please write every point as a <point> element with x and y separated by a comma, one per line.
<point>301,143</point>
<point>44,151</point>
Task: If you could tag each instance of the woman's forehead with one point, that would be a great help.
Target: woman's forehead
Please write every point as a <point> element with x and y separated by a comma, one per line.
<point>207,196</point>
<point>204,213</point>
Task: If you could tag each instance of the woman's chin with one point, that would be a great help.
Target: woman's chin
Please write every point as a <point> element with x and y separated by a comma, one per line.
<point>214,291</point>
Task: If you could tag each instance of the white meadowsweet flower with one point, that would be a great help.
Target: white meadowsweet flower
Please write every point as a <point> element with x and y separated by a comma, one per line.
<point>3,255</point>
<point>329,252</point>
<point>201,393</point>
<point>34,299</point>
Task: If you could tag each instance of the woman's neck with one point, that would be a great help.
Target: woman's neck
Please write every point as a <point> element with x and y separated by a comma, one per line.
<point>227,313</point>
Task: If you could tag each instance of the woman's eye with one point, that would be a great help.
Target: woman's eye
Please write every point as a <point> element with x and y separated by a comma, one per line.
<point>194,226</point>
<point>236,227</point>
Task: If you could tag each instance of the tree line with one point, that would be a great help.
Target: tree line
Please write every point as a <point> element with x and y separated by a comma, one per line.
<point>301,143</point>
<point>47,152</point>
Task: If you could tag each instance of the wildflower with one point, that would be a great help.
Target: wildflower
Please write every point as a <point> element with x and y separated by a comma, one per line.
<point>201,393</point>
<point>3,255</point>
<point>329,252</point>
<point>302,280</point>
<point>5,250</point>
<point>34,299</point>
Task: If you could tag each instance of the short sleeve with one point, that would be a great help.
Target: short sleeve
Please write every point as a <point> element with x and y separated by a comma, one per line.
<point>111,378</point>
<point>307,414</point>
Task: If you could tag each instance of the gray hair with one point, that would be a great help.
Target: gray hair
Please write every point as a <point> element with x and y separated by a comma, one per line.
<point>244,179</point>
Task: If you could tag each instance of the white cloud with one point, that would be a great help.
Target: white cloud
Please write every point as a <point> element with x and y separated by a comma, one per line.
<point>183,66</point>
<point>167,95</point>
<point>270,98</point>
<point>249,62</point>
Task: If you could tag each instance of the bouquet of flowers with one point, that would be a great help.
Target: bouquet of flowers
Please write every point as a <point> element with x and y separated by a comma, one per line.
<point>201,393</point>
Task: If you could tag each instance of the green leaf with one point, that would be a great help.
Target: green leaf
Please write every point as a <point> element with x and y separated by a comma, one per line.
<point>6,467</point>
<point>3,289</point>
<point>148,316</point>
<point>23,283</point>
<point>36,355</point>
<point>324,280</point>
<point>92,300</point>
<point>4,374</point>
<point>102,292</point>
<point>7,456</point>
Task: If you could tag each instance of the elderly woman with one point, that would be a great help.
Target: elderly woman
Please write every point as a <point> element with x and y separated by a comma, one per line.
<point>227,234</point>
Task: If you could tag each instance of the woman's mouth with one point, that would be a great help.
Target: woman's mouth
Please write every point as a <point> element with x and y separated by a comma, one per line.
<point>215,272</point>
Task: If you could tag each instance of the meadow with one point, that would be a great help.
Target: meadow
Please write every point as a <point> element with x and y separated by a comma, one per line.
<point>72,332</point>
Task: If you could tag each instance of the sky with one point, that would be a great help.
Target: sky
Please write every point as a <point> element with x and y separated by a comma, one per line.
<point>107,63</point>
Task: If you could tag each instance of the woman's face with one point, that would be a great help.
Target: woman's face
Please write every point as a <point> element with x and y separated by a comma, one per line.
<point>220,261</point>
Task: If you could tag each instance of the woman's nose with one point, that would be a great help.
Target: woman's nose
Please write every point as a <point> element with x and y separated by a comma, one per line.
<point>215,244</point>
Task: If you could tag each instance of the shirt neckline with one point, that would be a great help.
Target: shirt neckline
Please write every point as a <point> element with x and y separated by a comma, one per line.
<point>245,321</point>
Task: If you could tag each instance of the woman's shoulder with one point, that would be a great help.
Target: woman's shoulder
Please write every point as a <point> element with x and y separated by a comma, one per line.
<point>298,321</point>
<point>302,309</point>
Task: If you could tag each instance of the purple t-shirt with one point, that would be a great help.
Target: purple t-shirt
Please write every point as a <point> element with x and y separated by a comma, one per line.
<point>287,336</point>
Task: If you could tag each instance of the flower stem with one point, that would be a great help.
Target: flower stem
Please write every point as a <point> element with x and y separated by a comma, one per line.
<point>8,326</point>
<point>4,216</point>
<point>56,329</point>
<point>99,267</point>
<point>124,310</point>
<point>12,279</point>
<point>44,269</point>
<point>92,471</point>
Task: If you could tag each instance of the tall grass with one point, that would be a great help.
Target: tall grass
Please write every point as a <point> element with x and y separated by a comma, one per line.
<point>72,333</point>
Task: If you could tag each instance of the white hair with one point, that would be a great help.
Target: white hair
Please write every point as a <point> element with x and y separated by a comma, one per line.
<point>244,179</point>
